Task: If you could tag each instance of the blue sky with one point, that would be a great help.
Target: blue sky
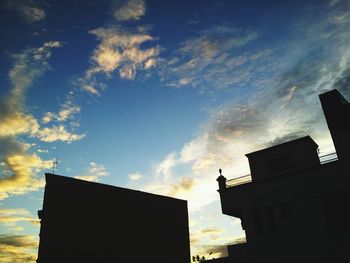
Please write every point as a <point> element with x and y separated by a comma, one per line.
<point>157,96</point>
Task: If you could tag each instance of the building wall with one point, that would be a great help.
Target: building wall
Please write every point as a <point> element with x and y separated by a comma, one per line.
<point>89,222</point>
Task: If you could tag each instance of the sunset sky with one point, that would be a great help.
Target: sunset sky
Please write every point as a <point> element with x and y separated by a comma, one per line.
<point>157,96</point>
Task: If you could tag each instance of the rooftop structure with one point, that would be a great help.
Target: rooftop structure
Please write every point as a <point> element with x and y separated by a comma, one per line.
<point>294,205</point>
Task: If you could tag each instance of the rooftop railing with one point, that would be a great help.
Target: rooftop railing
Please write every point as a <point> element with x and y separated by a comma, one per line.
<point>327,158</point>
<point>239,180</point>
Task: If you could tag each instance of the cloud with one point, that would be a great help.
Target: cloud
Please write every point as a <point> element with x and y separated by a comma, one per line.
<point>135,176</point>
<point>16,229</point>
<point>29,10</point>
<point>18,248</point>
<point>214,251</point>
<point>68,111</point>
<point>58,133</point>
<point>119,50</point>
<point>164,167</point>
<point>211,59</point>
<point>90,89</point>
<point>94,172</point>
<point>18,123</point>
<point>30,64</point>
<point>11,216</point>
<point>5,213</point>
<point>214,247</point>
<point>280,104</point>
<point>211,231</point>
<point>186,184</point>
<point>18,174</point>
<point>19,167</point>
<point>129,10</point>
<point>217,39</point>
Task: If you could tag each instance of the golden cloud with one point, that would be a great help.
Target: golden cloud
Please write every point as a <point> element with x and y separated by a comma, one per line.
<point>58,133</point>
<point>18,123</point>
<point>64,114</point>
<point>18,167</point>
<point>119,50</point>
<point>10,217</point>
<point>20,170</point>
<point>18,248</point>
<point>185,185</point>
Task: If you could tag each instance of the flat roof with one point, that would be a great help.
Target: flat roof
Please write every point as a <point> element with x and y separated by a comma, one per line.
<point>306,140</point>
<point>66,179</point>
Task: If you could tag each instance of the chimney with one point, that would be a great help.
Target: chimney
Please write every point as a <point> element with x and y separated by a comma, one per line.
<point>337,112</point>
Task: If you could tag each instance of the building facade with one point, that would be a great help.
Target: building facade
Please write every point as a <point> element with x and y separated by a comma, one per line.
<point>91,222</point>
<point>294,207</point>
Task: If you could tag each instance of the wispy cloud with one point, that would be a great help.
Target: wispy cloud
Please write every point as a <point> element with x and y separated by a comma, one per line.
<point>10,217</point>
<point>18,248</point>
<point>212,59</point>
<point>212,233</point>
<point>129,10</point>
<point>19,166</point>
<point>69,109</point>
<point>29,10</point>
<point>29,65</point>
<point>94,172</point>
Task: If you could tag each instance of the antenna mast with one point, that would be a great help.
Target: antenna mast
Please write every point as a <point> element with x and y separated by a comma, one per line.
<point>54,165</point>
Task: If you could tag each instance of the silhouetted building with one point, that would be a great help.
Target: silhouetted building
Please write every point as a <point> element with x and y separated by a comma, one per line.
<point>91,222</point>
<point>294,207</point>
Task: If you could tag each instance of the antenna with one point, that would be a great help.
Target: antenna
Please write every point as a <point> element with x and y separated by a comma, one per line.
<point>54,165</point>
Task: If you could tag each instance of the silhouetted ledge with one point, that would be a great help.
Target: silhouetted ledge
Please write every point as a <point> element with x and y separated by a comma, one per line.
<point>87,222</point>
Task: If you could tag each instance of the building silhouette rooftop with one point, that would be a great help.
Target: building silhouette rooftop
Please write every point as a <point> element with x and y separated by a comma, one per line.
<point>294,205</point>
<point>84,221</point>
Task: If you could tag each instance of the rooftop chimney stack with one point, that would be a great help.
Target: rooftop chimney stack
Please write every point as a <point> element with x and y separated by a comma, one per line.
<point>337,111</point>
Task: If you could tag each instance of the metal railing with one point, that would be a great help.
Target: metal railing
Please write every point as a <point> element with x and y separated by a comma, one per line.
<point>327,158</point>
<point>239,180</point>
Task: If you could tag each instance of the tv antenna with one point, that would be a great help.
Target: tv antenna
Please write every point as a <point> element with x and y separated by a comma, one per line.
<point>54,165</point>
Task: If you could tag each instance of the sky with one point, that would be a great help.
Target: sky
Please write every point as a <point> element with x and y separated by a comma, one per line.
<point>157,96</point>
